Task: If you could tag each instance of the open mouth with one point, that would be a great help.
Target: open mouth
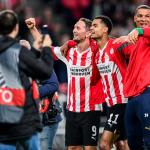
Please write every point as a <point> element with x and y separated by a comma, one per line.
<point>75,35</point>
<point>144,24</point>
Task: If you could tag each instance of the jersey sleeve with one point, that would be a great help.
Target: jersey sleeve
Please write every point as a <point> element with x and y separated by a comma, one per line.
<point>146,34</point>
<point>57,52</point>
<point>125,49</point>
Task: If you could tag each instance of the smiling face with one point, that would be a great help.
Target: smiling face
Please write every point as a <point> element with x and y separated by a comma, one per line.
<point>80,31</point>
<point>98,29</point>
<point>142,18</point>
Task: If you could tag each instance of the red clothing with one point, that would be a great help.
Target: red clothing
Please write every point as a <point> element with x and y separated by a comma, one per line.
<point>85,90</point>
<point>138,73</point>
<point>112,67</point>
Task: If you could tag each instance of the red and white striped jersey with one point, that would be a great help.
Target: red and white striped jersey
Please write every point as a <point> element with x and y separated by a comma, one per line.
<point>85,91</point>
<point>112,67</point>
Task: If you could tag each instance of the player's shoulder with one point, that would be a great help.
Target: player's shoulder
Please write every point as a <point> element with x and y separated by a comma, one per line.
<point>72,49</point>
<point>93,46</point>
<point>111,39</point>
<point>112,44</point>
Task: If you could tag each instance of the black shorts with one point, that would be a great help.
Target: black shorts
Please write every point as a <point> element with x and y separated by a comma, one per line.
<point>82,128</point>
<point>115,121</point>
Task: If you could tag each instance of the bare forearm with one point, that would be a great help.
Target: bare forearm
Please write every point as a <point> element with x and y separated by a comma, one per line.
<point>35,33</point>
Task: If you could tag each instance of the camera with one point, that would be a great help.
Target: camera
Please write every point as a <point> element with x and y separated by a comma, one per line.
<point>49,117</point>
<point>44,29</point>
<point>52,111</point>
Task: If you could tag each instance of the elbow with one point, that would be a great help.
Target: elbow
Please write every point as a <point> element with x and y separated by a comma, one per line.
<point>57,86</point>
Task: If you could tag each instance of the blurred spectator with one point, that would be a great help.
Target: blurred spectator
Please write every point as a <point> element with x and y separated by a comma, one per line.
<point>20,121</point>
<point>77,7</point>
<point>50,116</point>
<point>60,15</point>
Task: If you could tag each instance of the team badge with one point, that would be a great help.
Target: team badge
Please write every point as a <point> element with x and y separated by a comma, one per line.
<point>111,51</point>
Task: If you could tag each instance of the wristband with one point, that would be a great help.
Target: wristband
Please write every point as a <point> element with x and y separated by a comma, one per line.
<point>140,31</point>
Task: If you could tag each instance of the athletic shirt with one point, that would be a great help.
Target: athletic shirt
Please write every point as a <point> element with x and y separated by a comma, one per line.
<point>138,74</point>
<point>85,90</point>
<point>112,67</point>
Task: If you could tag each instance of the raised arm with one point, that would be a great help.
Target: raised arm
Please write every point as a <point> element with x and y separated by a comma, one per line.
<point>132,37</point>
<point>145,32</point>
<point>31,24</point>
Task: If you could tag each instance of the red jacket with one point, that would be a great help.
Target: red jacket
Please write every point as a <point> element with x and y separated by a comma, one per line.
<point>138,73</point>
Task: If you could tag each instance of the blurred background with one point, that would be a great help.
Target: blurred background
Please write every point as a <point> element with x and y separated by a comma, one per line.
<point>60,16</point>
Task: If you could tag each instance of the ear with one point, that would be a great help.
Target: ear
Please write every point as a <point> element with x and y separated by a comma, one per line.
<point>17,28</point>
<point>134,18</point>
<point>88,34</point>
<point>105,29</point>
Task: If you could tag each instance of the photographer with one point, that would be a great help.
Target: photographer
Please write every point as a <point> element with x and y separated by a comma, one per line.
<point>50,111</point>
<point>49,106</point>
<point>19,116</point>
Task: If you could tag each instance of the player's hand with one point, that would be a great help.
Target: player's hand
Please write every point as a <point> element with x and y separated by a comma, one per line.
<point>25,43</point>
<point>133,36</point>
<point>30,23</point>
<point>64,49</point>
<point>121,39</point>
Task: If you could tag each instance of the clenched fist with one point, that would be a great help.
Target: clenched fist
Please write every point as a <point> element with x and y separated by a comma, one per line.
<point>30,23</point>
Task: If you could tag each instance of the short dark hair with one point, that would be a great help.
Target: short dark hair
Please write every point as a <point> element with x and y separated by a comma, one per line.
<point>107,21</point>
<point>141,7</point>
<point>8,21</point>
<point>87,22</point>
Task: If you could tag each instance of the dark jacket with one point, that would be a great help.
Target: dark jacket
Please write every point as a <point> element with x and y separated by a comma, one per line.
<point>47,89</point>
<point>29,66</point>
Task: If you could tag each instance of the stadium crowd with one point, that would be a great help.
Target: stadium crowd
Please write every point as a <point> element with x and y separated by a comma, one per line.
<point>61,15</point>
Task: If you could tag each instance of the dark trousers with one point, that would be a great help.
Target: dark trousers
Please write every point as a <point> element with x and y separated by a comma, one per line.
<point>137,121</point>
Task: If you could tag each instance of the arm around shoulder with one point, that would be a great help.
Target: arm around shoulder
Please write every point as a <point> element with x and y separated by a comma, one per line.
<point>145,32</point>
